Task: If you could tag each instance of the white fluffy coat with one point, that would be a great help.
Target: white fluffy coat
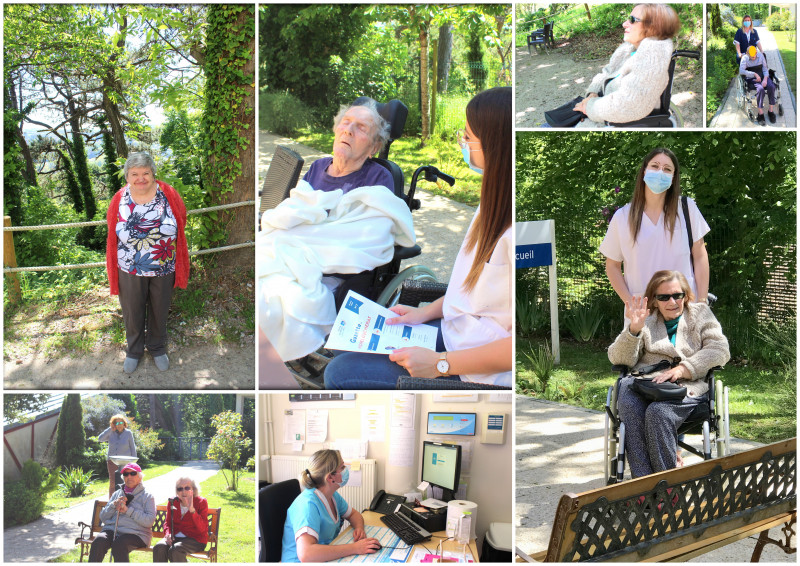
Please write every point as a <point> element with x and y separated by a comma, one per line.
<point>312,233</point>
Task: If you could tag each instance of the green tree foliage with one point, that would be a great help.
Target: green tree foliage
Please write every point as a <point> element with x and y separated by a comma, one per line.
<point>228,445</point>
<point>181,135</point>
<point>475,59</point>
<point>131,407</point>
<point>13,167</point>
<point>197,411</point>
<point>70,436</point>
<point>73,192</point>
<point>306,47</point>
<point>147,442</point>
<point>572,178</point>
<point>23,501</point>
<point>229,127</point>
<point>16,406</point>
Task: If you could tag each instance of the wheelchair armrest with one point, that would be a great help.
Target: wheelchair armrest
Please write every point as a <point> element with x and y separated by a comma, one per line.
<point>402,253</point>
<point>621,369</point>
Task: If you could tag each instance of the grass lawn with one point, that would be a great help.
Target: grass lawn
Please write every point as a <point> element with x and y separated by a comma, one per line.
<point>762,401</point>
<point>788,51</point>
<point>98,489</point>
<point>237,523</point>
<point>407,153</point>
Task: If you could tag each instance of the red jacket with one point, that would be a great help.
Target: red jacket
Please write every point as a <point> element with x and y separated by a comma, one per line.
<point>193,525</point>
<point>181,248</point>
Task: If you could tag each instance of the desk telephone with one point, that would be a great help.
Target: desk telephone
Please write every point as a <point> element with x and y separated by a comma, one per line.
<point>386,503</point>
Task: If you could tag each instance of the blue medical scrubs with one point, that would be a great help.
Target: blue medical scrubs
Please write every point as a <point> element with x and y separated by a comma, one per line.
<point>310,513</point>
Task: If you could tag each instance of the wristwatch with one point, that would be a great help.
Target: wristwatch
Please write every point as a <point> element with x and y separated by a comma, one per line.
<point>442,366</point>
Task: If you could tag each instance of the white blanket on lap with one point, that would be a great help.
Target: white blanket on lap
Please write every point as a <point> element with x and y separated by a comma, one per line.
<point>312,233</point>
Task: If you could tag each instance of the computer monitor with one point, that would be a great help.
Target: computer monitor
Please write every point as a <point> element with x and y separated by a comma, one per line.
<point>441,467</point>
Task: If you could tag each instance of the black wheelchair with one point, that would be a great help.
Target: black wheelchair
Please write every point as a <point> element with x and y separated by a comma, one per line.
<point>385,283</point>
<point>746,95</point>
<point>709,418</point>
<point>667,115</point>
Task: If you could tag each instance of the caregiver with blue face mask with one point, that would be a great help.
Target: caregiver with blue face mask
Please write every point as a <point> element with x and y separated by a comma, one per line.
<point>316,516</point>
<point>650,234</point>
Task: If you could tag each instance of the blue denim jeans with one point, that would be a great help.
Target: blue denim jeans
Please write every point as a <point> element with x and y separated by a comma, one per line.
<point>353,370</point>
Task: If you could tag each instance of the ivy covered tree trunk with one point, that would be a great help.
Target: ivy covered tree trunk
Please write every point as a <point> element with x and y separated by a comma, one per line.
<point>70,436</point>
<point>81,163</point>
<point>73,189</point>
<point>13,169</point>
<point>112,171</point>
<point>229,126</point>
<point>11,103</point>
<point>475,60</point>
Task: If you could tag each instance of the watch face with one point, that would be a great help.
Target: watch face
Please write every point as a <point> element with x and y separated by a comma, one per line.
<point>442,366</point>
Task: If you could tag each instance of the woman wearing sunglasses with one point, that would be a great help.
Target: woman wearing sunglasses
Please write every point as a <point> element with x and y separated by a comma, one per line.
<point>120,443</point>
<point>664,325</point>
<point>650,232</point>
<point>630,86</point>
<point>186,528</point>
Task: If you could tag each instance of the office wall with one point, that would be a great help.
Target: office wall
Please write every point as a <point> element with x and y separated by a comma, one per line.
<point>489,477</point>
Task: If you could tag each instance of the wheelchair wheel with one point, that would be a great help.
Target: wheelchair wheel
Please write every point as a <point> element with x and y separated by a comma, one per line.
<point>391,293</point>
<point>721,416</point>
<point>740,98</point>
<point>780,109</point>
<point>676,117</point>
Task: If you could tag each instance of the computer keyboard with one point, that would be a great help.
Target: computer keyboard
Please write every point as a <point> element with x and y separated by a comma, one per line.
<point>408,531</point>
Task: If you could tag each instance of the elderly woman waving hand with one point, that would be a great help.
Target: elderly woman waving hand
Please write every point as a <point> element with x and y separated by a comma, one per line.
<point>146,257</point>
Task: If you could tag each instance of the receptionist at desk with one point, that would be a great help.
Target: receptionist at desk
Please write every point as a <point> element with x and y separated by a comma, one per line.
<point>316,516</point>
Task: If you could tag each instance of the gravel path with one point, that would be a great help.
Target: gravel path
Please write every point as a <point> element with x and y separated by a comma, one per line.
<point>547,80</point>
<point>729,115</point>
<point>559,449</point>
<point>53,535</point>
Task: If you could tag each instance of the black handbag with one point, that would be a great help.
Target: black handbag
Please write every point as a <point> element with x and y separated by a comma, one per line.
<point>564,116</point>
<point>649,391</point>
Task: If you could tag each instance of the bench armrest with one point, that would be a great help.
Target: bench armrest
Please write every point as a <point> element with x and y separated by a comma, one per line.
<point>83,527</point>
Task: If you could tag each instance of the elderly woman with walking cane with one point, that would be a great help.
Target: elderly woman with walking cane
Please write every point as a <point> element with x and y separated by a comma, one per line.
<point>127,519</point>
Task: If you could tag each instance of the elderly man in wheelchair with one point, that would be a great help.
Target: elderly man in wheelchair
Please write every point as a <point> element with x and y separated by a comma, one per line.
<point>669,347</point>
<point>753,67</point>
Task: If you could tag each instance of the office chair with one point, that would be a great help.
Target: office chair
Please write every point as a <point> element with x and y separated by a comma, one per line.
<point>274,501</point>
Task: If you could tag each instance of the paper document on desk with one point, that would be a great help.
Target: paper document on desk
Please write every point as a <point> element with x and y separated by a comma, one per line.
<point>360,326</point>
<point>388,552</point>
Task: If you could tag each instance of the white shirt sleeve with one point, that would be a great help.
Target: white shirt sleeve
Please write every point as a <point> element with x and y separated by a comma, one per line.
<point>611,246</point>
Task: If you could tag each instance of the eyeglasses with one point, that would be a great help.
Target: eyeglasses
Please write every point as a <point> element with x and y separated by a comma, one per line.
<point>461,136</point>
<point>126,474</point>
<point>633,19</point>
<point>667,297</point>
<point>120,422</point>
<point>187,488</point>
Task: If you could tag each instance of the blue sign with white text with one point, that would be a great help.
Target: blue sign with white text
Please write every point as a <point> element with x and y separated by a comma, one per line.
<point>534,255</point>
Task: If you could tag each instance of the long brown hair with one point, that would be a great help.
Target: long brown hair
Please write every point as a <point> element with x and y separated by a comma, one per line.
<point>489,118</point>
<point>670,203</point>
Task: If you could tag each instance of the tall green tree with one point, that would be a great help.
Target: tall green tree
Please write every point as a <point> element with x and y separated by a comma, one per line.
<point>16,406</point>
<point>113,179</point>
<point>13,167</point>
<point>70,436</point>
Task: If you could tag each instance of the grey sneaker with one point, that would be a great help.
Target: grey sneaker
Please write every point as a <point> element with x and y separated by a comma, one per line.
<point>162,362</point>
<point>130,365</point>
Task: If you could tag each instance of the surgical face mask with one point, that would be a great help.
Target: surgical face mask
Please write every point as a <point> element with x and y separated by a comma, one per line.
<point>746,25</point>
<point>657,181</point>
<point>345,477</point>
<point>465,151</point>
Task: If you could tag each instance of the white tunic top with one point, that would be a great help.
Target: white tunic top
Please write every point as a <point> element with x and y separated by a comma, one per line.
<point>483,315</point>
<point>654,250</point>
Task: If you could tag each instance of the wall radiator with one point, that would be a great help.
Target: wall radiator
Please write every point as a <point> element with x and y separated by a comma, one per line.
<point>359,498</point>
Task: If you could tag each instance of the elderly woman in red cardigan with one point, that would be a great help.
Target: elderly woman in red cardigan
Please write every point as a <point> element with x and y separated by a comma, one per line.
<point>186,527</point>
<point>146,257</point>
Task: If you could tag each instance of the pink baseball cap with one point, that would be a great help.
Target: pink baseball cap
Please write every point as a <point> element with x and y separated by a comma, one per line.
<point>134,467</point>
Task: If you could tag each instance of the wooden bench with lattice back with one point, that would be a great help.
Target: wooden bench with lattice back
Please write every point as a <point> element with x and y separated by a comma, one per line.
<point>681,513</point>
<point>88,531</point>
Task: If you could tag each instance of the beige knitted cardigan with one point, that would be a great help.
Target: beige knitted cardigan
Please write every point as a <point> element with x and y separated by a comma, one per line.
<point>699,345</point>
<point>638,81</point>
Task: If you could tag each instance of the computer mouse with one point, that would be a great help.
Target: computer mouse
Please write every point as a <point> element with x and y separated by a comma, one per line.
<point>378,546</point>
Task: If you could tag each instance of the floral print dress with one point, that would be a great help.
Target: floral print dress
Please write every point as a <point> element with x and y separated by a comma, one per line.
<point>146,235</point>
